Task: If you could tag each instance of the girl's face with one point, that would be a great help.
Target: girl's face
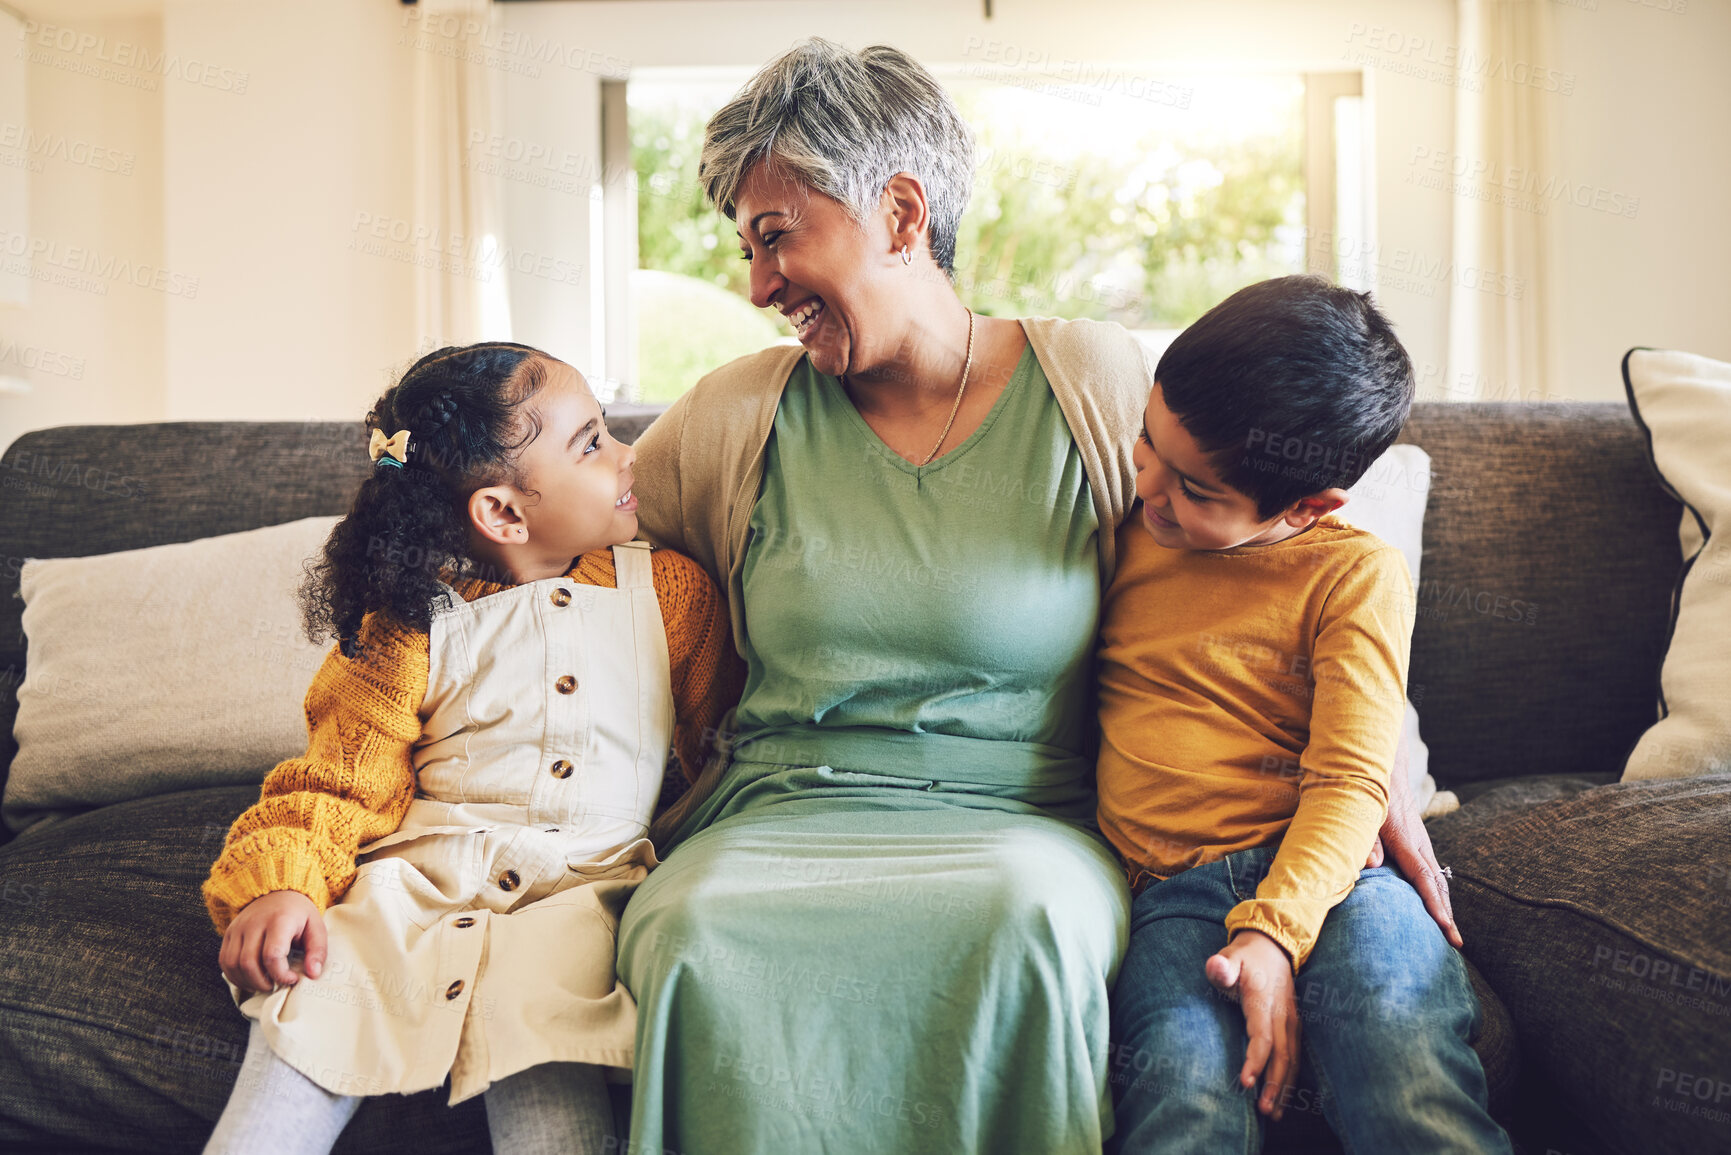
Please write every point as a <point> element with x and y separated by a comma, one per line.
<point>576,486</point>
<point>807,253</point>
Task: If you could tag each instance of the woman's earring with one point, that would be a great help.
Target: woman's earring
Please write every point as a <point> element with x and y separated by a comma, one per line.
<point>906,260</point>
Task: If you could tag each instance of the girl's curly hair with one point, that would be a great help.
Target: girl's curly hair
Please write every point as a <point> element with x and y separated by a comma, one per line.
<point>409,528</point>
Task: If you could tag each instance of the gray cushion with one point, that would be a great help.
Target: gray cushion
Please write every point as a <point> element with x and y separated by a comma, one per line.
<point>115,1027</point>
<point>1602,916</point>
<point>1517,793</point>
<point>1550,551</point>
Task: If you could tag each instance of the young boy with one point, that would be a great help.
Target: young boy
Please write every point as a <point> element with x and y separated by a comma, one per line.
<point>1253,669</point>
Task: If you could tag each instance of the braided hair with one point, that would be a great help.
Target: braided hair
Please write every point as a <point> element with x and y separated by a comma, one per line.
<point>409,527</point>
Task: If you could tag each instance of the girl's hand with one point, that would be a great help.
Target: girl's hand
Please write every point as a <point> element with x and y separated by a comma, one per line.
<point>1255,972</point>
<point>255,948</point>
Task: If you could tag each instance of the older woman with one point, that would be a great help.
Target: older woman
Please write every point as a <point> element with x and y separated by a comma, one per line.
<point>885,924</point>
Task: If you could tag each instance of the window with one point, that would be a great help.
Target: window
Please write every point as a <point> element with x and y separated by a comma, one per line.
<point>1145,205</point>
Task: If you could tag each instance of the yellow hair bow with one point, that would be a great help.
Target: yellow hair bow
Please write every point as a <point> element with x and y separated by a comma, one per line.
<point>397,446</point>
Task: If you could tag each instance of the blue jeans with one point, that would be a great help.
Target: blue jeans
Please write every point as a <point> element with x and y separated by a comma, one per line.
<point>1387,1019</point>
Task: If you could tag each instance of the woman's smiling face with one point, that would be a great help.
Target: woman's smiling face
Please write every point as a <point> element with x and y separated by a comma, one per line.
<point>813,264</point>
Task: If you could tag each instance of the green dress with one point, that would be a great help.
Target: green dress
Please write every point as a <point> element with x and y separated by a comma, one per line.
<point>891,928</point>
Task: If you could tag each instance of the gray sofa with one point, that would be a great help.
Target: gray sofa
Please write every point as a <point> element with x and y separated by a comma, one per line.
<point>1599,913</point>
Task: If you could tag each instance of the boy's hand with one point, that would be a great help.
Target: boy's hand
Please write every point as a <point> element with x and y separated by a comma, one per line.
<point>1256,973</point>
<point>255,947</point>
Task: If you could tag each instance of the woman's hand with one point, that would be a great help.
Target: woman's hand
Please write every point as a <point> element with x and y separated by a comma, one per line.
<point>255,948</point>
<point>1404,836</point>
<point>1255,972</point>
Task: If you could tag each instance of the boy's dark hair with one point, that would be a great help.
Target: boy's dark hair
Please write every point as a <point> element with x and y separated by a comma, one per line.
<point>409,527</point>
<point>1291,386</point>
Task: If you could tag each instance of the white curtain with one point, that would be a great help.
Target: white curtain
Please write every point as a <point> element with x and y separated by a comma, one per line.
<point>1501,334</point>
<point>460,288</point>
<point>14,177</point>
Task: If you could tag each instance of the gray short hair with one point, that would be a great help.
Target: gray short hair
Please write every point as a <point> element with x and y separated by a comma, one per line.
<point>843,123</point>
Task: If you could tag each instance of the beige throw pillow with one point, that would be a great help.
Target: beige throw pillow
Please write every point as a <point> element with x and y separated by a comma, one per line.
<point>162,669</point>
<point>1683,403</point>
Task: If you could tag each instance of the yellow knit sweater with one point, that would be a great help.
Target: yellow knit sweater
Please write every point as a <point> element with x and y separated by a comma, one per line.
<point>357,778</point>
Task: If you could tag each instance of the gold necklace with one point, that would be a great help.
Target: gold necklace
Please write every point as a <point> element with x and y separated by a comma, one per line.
<point>962,388</point>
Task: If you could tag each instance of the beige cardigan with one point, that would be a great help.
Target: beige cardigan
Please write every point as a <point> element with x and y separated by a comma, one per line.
<point>700,465</point>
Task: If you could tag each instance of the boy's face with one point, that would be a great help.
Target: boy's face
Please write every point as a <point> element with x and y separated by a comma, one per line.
<point>1185,505</point>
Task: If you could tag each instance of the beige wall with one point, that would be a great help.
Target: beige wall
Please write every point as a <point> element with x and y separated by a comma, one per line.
<point>1651,120</point>
<point>247,192</point>
<point>259,131</point>
<point>264,190</point>
<point>90,340</point>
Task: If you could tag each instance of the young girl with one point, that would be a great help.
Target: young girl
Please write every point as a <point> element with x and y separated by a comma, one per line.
<point>487,745</point>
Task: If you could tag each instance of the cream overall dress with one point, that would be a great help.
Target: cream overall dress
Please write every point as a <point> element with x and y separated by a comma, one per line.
<point>478,939</point>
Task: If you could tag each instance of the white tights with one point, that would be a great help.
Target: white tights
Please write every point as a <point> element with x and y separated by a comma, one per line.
<point>276,1110</point>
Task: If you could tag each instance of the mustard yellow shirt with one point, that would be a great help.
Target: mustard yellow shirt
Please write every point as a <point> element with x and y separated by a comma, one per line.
<point>1250,697</point>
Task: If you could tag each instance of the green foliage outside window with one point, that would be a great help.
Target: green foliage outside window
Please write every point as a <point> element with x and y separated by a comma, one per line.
<point>1149,233</point>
